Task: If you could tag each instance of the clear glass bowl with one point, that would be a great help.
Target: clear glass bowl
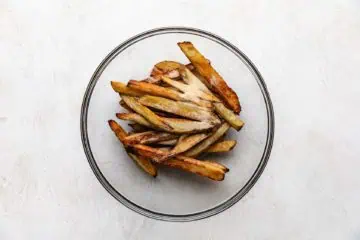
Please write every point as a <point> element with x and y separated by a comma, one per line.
<point>175,195</point>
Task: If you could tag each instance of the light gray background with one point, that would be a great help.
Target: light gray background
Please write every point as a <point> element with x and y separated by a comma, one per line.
<point>307,51</point>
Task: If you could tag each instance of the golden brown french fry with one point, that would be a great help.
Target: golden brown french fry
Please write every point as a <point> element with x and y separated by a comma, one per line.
<point>164,148</point>
<point>123,89</point>
<point>191,92</point>
<point>146,113</point>
<point>148,137</point>
<point>223,146</point>
<point>229,116</point>
<point>118,130</point>
<point>213,79</point>
<point>186,142</point>
<point>187,126</point>
<point>153,80</point>
<point>155,75</point>
<point>190,78</point>
<point>154,154</point>
<point>168,142</point>
<point>201,147</point>
<point>135,118</point>
<point>225,169</point>
<point>138,127</point>
<point>183,109</point>
<point>155,90</point>
<point>178,125</point>
<point>143,163</point>
<point>125,106</point>
<point>202,168</point>
<point>168,66</point>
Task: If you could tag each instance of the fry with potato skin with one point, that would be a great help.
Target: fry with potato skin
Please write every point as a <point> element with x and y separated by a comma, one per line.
<point>213,79</point>
<point>155,90</point>
<point>229,116</point>
<point>190,78</point>
<point>225,169</point>
<point>154,154</point>
<point>138,127</point>
<point>123,89</point>
<point>148,137</point>
<point>146,113</point>
<point>137,118</point>
<point>190,92</point>
<point>142,162</point>
<point>125,106</point>
<point>118,130</point>
<point>223,146</point>
<point>186,142</point>
<point>183,109</point>
<point>168,66</point>
<point>168,142</point>
<point>198,167</point>
<point>179,126</point>
<point>201,147</point>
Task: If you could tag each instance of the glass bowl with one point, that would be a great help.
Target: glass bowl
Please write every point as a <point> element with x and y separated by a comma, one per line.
<point>175,195</point>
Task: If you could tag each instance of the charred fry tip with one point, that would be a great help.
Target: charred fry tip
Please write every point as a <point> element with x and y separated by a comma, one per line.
<point>113,125</point>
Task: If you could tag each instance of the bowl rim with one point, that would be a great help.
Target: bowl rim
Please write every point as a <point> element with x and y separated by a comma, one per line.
<point>158,215</point>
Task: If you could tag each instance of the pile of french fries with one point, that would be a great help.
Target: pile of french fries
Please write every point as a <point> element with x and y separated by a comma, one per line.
<point>177,114</point>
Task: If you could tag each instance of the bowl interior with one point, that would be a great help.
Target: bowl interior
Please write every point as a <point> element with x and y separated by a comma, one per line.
<point>175,193</point>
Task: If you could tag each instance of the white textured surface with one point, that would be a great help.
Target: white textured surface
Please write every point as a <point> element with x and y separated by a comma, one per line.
<point>307,51</point>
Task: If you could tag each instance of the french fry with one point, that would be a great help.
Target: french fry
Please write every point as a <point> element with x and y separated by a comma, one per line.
<point>168,66</point>
<point>213,79</point>
<point>202,168</point>
<point>155,75</point>
<point>191,92</point>
<point>138,127</point>
<point>148,137</point>
<point>134,117</point>
<point>125,106</point>
<point>190,78</point>
<point>123,89</point>
<point>187,126</point>
<point>186,142</point>
<point>201,147</point>
<point>178,125</point>
<point>155,90</point>
<point>225,169</point>
<point>229,116</point>
<point>178,113</point>
<point>146,113</point>
<point>183,109</point>
<point>223,146</point>
<point>168,142</point>
<point>118,130</point>
<point>154,154</point>
<point>142,162</point>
